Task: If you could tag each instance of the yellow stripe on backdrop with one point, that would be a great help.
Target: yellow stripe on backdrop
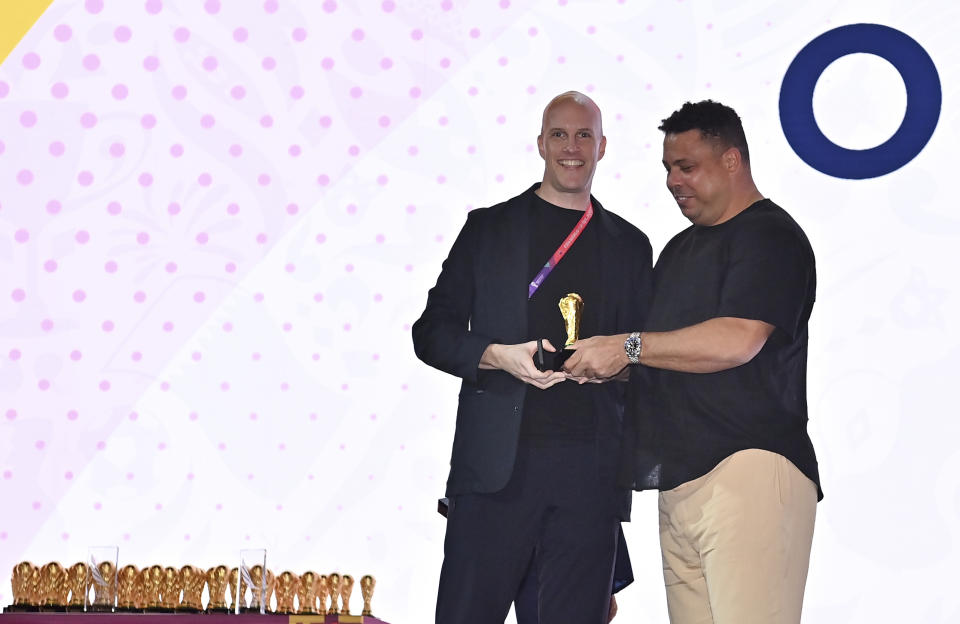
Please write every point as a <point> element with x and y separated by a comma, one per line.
<point>16,18</point>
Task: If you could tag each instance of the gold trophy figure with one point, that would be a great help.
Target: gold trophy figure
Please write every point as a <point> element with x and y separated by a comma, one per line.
<point>287,584</point>
<point>256,585</point>
<point>261,582</point>
<point>170,588</point>
<point>52,581</point>
<point>268,591</point>
<point>237,582</point>
<point>63,591</point>
<point>140,590</point>
<point>152,598</point>
<point>367,583</point>
<point>333,586</point>
<point>104,579</point>
<point>571,309</point>
<point>346,589</point>
<point>143,585</point>
<point>193,580</point>
<point>35,594</point>
<point>307,593</point>
<point>217,588</point>
<point>25,583</point>
<point>77,580</point>
<point>323,590</point>
<point>128,586</point>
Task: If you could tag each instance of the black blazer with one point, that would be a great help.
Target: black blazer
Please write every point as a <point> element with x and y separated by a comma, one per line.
<point>481,298</point>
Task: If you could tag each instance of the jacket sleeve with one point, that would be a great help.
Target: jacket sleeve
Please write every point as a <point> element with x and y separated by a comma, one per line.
<point>441,336</point>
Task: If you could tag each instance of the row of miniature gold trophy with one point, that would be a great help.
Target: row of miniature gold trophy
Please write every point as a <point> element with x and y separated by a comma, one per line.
<point>169,590</point>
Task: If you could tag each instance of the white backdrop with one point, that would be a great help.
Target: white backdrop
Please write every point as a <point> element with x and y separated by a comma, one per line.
<point>219,219</point>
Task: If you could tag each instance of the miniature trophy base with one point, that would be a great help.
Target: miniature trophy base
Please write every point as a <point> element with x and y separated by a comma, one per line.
<point>546,360</point>
<point>560,358</point>
<point>218,610</point>
<point>21,609</point>
<point>128,609</point>
<point>100,609</point>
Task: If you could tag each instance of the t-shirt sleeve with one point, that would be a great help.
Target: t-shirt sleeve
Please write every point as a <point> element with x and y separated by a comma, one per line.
<point>770,277</point>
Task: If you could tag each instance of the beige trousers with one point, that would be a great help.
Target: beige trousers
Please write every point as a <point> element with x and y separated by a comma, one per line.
<point>736,542</point>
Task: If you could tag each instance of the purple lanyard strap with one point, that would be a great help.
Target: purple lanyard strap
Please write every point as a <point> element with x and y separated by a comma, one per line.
<point>561,250</point>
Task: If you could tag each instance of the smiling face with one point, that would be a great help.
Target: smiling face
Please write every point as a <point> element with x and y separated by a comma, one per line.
<point>700,176</point>
<point>571,142</point>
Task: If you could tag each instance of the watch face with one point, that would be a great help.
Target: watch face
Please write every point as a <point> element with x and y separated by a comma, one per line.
<point>632,347</point>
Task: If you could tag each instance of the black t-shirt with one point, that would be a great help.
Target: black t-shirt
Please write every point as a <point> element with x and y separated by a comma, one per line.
<point>567,409</point>
<point>758,265</point>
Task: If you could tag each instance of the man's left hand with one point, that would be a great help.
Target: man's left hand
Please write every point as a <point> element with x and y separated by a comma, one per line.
<point>597,357</point>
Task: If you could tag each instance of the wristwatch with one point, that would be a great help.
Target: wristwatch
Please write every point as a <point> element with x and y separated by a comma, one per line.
<point>633,345</point>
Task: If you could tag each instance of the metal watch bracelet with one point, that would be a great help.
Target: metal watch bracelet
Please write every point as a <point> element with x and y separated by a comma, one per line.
<point>633,346</point>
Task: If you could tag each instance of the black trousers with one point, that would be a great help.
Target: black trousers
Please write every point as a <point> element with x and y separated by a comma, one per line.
<point>556,514</point>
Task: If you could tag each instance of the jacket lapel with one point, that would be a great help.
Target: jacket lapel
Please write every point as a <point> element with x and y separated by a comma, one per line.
<point>513,268</point>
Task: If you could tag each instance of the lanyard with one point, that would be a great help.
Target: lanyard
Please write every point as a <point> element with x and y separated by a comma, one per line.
<point>561,250</point>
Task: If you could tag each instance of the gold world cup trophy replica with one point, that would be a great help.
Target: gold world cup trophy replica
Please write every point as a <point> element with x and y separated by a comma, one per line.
<point>104,581</point>
<point>307,588</point>
<point>238,589</point>
<point>151,599</point>
<point>193,580</point>
<point>25,583</point>
<point>217,587</point>
<point>129,588</point>
<point>262,582</point>
<point>323,590</point>
<point>571,309</point>
<point>286,589</point>
<point>346,589</point>
<point>333,587</point>
<point>367,584</point>
<point>170,588</point>
<point>53,587</point>
<point>79,586</point>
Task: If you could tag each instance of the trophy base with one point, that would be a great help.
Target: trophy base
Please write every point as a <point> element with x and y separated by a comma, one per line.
<point>128,609</point>
<point>53,609</point>
<point>218,610</point>
<point>544,360</point>
<point>560,358</point>
<point>21,609</point>
<point>254,610</point>
<point>100,609</point>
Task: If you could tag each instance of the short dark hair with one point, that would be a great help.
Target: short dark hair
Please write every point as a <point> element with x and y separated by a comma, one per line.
<point>714,121</point>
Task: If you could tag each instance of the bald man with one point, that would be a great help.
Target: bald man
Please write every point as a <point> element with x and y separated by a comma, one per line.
<point>534,471</point>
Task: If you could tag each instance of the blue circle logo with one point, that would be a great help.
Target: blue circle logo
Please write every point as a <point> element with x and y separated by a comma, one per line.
<point>923,101</point>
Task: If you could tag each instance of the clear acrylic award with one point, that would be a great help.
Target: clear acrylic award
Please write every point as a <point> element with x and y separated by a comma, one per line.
<point>102,578</point>
<point>252,574</point>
